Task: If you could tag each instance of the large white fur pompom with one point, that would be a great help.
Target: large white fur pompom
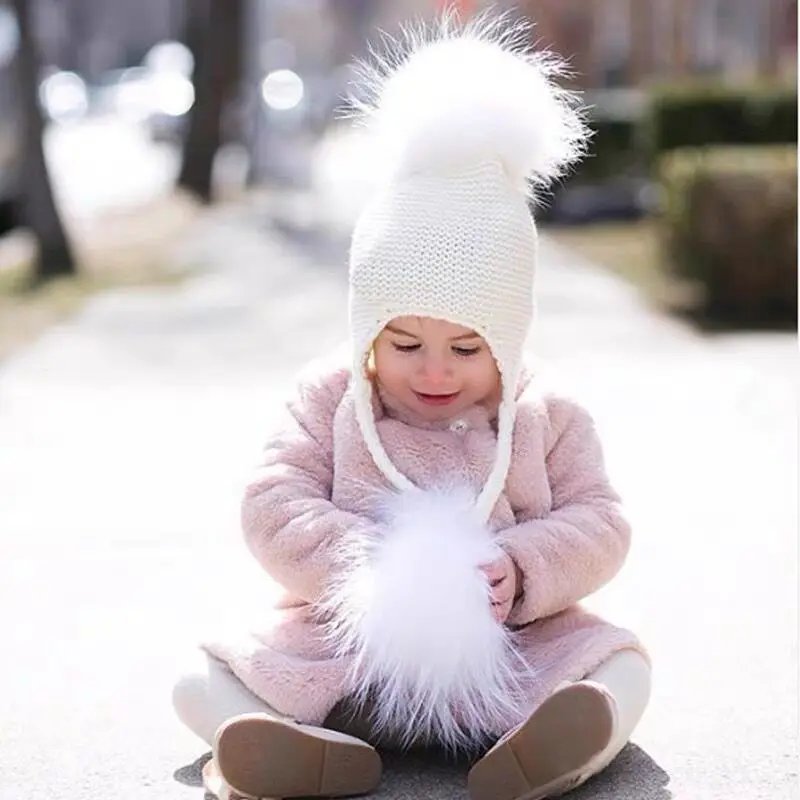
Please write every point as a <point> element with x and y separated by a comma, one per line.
<point>453,95</point>
<point>413,611</point>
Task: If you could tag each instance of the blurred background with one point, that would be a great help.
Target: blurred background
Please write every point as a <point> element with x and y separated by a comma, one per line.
<point>177,192</point>
<point>109,106</point>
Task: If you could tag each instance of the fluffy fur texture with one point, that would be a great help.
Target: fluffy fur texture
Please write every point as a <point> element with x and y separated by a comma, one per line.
<point>559,519</point>
<point>453,95</point>
<point>413,611</point>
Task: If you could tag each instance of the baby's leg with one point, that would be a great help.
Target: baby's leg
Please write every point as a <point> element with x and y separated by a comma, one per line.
<point>259,751</point>
<point>575,733</point>
<point>626,676</point>
<point>208,693</point>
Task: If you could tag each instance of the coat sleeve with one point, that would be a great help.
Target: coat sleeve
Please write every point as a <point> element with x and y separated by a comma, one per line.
<point>289,522</point>
<point>583,541</point>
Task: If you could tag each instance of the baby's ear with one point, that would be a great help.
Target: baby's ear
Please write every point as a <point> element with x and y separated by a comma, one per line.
<point>369,365</point>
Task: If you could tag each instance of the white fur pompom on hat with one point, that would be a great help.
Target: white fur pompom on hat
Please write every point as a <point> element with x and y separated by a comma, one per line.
<point>450,95</point>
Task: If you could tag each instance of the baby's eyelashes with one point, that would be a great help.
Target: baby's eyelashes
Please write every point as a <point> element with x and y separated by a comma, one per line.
<point>464,352</point>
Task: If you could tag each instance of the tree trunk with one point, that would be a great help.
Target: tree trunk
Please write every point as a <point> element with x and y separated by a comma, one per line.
<point>38,208</point>
<point>215,37</point>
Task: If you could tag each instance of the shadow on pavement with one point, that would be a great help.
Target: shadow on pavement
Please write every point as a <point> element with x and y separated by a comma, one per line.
<point>632,776</point>
<point>192,774</point>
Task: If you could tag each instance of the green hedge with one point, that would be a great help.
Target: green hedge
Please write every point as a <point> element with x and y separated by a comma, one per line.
<point>693,116</point>
<point>613,150</point>
<point>633,129</point>
<point>614,117</point>
<point>730,224</point>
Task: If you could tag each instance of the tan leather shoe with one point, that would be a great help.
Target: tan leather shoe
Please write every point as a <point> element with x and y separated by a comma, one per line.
<point>553,751</point>
<point>261,756</point>
<point>216,786</point>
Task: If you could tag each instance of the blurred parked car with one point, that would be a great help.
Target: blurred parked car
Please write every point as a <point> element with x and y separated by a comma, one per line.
<point>612,183</point>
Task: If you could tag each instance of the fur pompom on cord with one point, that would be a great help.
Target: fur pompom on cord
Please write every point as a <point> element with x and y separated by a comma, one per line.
<point>413,610</point>
<point>452,95</point>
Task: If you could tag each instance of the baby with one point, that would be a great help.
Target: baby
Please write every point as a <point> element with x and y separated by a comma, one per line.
<point>432,509</point>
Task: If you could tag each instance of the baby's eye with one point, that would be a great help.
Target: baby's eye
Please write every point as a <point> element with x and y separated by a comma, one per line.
<point>466,351</point>
<point>405,348</point>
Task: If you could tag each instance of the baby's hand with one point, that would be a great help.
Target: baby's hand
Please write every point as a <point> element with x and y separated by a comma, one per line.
<point>502,576</point>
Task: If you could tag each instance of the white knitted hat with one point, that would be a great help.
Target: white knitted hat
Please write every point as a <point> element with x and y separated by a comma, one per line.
<point>468,123</point>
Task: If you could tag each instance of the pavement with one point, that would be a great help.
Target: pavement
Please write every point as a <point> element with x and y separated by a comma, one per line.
<point>126,434</point>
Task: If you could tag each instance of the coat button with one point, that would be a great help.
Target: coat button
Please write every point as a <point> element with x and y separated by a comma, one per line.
<point>459,426</point>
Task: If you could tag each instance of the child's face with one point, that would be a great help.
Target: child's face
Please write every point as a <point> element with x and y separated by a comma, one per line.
<point>435,368</point>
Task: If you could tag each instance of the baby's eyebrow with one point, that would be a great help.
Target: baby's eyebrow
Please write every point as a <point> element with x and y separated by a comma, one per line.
<point>400,331</point>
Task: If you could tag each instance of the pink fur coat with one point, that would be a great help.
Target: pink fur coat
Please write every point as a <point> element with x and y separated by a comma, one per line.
<point>559,519</point>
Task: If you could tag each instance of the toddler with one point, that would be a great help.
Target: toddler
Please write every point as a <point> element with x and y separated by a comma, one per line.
<point>433,511</point>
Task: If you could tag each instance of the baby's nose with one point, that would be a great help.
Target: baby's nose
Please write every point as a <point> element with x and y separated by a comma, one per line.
<point>437,370</point>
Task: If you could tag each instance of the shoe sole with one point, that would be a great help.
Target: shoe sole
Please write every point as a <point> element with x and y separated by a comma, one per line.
<point>570,729</point>
<point>264,757</point>
<point>215,785</point>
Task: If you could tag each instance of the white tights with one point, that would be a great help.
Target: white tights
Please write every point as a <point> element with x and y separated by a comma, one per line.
<point>208,693</point>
